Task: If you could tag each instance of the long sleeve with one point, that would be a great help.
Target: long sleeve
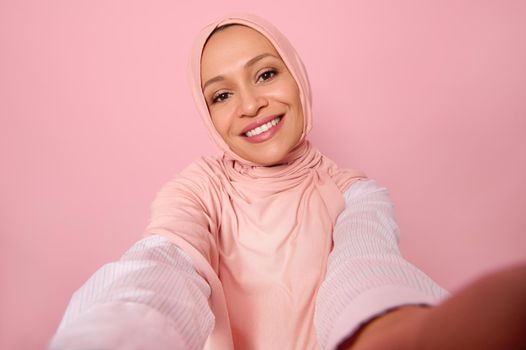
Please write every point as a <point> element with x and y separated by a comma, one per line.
<point>366,275</point>
<point>152,298</point>
<point>186,211</point>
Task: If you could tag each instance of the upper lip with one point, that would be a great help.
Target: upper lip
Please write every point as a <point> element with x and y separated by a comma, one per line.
<point>259,122</point>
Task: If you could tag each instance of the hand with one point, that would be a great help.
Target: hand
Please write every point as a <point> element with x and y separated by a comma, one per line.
<point>489,314</point>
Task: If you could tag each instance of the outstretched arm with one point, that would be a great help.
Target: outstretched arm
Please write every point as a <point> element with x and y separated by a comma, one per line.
<point>373,299</point>
<point>489,314</point>
<point>366,274</point>
<point>152,298</point>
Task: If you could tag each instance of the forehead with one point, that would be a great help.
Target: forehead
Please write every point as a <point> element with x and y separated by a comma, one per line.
<point>232,47</point>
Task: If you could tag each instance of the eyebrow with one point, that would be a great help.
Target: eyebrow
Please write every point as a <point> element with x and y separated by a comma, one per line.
<point>249,63</point>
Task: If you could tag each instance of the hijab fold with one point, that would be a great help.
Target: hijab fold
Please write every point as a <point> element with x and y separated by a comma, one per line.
<point>259,235</point>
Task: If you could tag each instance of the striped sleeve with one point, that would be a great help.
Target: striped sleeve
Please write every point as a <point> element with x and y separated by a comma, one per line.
<point>152,298</point>
<point>366,275</point>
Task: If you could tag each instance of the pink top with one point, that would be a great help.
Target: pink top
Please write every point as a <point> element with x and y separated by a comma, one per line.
<point>262,246</point>
<point>153,299</point>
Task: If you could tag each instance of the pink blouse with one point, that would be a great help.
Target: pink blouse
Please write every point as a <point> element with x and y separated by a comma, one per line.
<point>152,298</point>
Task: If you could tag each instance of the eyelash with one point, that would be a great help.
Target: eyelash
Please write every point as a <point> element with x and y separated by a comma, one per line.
<point>220,97</point>
<point>217,98</point>
<point>269,71</point>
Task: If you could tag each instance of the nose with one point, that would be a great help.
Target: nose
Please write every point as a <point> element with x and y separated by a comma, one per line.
<point>251,102</point>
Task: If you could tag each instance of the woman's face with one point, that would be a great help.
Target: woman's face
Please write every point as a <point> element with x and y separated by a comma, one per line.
<point>252,98</point>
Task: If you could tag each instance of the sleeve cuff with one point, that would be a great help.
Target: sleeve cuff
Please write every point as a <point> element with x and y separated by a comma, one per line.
<point>372,304</point>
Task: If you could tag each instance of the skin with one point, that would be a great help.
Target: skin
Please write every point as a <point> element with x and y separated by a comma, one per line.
<point>245,80</point>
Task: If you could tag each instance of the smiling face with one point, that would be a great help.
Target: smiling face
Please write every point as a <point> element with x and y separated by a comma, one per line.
<point>252,98</point>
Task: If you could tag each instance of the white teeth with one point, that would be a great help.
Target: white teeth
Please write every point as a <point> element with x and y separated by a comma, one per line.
<point>263,128</point>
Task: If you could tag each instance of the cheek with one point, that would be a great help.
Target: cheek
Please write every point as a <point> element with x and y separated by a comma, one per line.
<point>298,109</point>
<point>290,95</point>
<point>219,124</point>
<point>222,124</point>
<point>282,93</point>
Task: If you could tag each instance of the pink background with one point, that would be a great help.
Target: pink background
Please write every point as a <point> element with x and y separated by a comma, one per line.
<point>428,99</point>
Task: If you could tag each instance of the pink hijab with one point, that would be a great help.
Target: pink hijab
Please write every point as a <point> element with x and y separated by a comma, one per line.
<point>260,236</point>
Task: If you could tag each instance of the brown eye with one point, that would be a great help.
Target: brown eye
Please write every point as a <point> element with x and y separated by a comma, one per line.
<point>266,75</point>
<point>220,97</point>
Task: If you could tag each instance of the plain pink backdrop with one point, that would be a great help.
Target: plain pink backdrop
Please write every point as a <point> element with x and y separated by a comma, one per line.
<point>427,97</point>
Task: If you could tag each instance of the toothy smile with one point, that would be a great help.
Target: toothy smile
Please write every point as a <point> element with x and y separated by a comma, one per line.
<point>262,128</point>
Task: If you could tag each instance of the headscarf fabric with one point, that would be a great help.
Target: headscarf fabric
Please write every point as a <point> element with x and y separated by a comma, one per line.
<point>259,235</point>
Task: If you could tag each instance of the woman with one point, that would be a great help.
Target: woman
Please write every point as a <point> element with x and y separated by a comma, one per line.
<point>270,246</point>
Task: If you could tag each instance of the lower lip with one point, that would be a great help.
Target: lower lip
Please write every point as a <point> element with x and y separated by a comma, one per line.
<point>265,135</point>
